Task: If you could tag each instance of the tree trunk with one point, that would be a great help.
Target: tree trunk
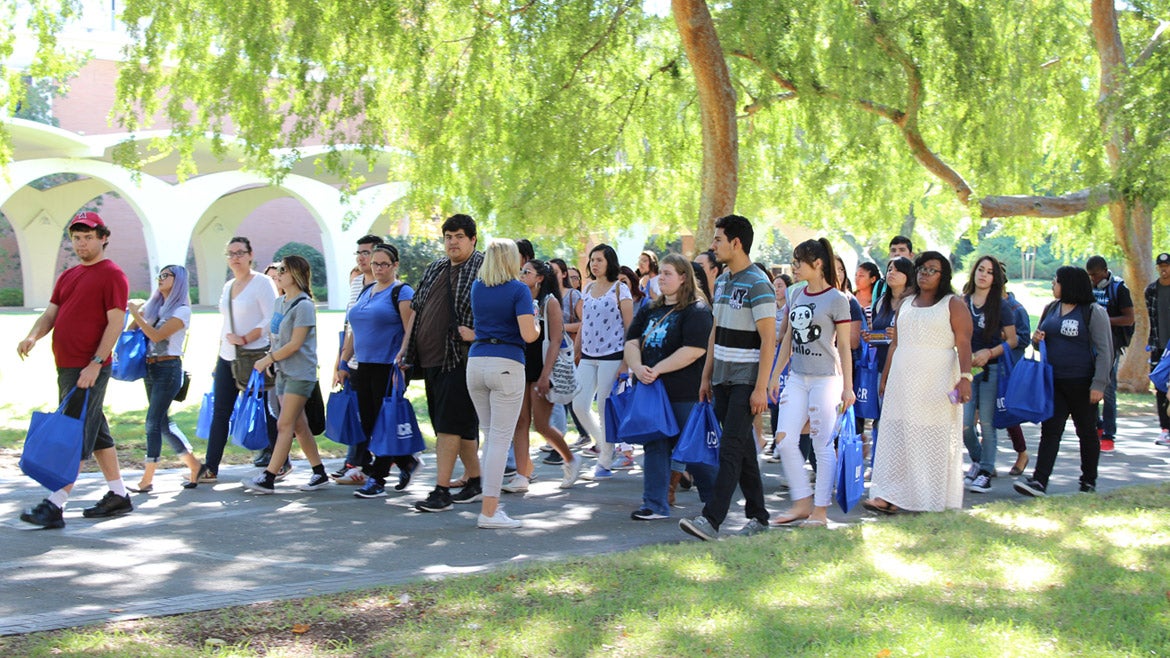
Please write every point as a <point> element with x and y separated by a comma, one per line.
<point>717,105</point>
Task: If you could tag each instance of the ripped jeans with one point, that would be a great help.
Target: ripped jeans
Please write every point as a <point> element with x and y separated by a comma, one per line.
<point>813,398</point>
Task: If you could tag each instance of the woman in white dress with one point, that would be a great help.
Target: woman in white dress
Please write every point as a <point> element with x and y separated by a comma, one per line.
<point>926,380</point>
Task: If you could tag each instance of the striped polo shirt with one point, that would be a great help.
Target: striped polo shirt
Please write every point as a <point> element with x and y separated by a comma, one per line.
<point>741,300</point>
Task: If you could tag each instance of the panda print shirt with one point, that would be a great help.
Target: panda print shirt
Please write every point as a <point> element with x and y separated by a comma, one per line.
<point>813,320</point>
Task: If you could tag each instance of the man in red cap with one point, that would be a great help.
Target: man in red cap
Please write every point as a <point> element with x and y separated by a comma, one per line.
<point>85,315</point>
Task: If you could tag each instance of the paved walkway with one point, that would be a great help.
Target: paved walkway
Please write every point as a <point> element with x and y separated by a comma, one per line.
<point>217,546</point>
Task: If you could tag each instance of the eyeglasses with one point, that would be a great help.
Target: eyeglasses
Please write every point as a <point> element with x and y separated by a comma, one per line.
<point>363,252</point>
<point>280,269</point>
<point>380,265</point>
<point>164,275</point>
<point>526,272</point>
<point>928,271</point>
<point>796,263</point>
<point>237,254</point>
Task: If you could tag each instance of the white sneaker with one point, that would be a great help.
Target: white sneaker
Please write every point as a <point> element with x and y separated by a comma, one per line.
<point>972,473</point>
<point>1163,439</point>
<point>497,521</point>
<point>572,471</point>
<point>353,476</point>
<point>518,484</point>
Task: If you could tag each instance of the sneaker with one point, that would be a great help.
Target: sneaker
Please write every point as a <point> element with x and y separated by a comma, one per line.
<point>753,527</point>
<point>340,473</point>
<point>257,485</point>
<point>45,514</point>
<point>582,442</point>
<point>509,472</point>
<point>1106,445</point>
<point>470,493</point>
<point>497,521</point>
<point>571,471</point>
<point>371,489</point>
<point>1030,487</point>
<point>547,448</point>
<point>404,475</point>
<point>554,459</point>
<point>590,451</point>
<point>981,483</point>
<point>261,460</point>
<point>284,471</point>
<point>110,505</point>
<point>647,514</point>
<point>699,527</point>
<point>598,473</point>
<point>352,476</point>
<point>518,484</point>
<point>439,500</point>
<point>1088,488</point>
<point>316,481</point>
<point>972,473</point>
<point>622,462</point>
<point>1163,439</point>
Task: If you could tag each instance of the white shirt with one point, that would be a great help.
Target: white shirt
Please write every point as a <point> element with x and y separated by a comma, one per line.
<point>251,309</point>
<point>173,344</point>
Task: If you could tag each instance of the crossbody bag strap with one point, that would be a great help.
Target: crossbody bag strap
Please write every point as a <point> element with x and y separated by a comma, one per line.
<point>232,318</point>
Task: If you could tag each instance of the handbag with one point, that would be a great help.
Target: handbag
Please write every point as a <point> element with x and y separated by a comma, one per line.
<point>563,384</point>
<point>245,362</point>
<point>649,415</point>
<point>1004,418</point>
<point>248,426</point>
<point>699,441</point>
<point>129,355</point>
<point>850,475</point>
<point>52,447</point>
<point>865,384</point>
<point>184,387</point>
<point>343,424</point>
<point>396,432</point>
<point>315,410</point>
<point>1160,375</point>
<point>1029,391</point>
<point>615,408</point>
<point>206,413</point>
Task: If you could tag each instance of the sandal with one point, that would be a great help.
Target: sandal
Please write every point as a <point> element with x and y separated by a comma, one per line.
<point>813,523</point>
<point>882,506</point>
<point>790,521</point>
<point>141,489</point>
<point>1021,464</point>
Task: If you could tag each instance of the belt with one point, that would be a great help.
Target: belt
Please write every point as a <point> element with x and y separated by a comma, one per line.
<point>157,359</point>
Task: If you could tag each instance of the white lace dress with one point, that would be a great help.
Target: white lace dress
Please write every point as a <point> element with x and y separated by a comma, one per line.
<point>918,460</point>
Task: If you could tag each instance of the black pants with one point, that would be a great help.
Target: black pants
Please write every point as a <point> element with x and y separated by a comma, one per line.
<point>1070,398</point>
<point>225,399</point>
<point>1161,404</point>
<point>737,457</point>
<point>371,383</point>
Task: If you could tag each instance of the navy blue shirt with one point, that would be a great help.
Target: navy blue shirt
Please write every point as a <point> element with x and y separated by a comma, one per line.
<point>1070,347</point>
<point>495,309</point>
<point>1007,318</point>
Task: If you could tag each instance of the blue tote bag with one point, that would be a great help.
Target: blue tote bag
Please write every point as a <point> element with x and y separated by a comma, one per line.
<point>850,476</point>
<point>1029,391</point>
<point>699,441</point>
<point>206,413</point>
<point>129,356</point>
<point>343,423</point>
<point>1160,375</point>
<point>1003,417</point>
<point>615,408</point>
<point>396,432</point>
<point>865,384</point>
<point>649,415</point>
<point>249,424</point>
<point>52,448</point>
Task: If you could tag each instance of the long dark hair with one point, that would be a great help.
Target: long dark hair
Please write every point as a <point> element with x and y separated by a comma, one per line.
<point>944,276</point>
<point>991,307</point>
<point>903,265</point>
<point>1075,285</point>
<point>548,281</point>
<point>611,261</point>
<point>632,276</point>
<point>810,250</point>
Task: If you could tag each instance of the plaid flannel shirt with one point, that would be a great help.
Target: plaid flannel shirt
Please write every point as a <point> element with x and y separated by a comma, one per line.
<point>456,352</point>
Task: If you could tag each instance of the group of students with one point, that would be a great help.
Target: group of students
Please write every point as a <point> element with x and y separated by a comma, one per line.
<point>485,330</point>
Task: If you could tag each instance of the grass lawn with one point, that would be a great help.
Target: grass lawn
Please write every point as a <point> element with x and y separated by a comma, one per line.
<point>1083,575</point>
<point>31,385</point>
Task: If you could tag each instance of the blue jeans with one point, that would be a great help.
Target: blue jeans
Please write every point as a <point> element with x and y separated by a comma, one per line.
<point>162,381</point>
<point>983,393</point>
<point>1108,420</point>
<point>657,466</point>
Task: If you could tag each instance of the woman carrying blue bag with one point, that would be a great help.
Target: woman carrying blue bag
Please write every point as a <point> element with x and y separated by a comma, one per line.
<point>1075,330</point>
<point>164,319</point>
<point>666,343</point>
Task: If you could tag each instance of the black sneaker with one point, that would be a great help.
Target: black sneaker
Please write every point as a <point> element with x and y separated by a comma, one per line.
<point>439,500</point>
<point>470,493</point>
<point>340,473</point>
<point>509,472</point>
<point>46,514</point>
<point>404,476</point>
<point>554,458</point>
<point>261,460</point>
<point>647,514</point>
<point>1088,488</point>
<point>110,505</point>
<point>316,481</point>
<point>1030,487</point>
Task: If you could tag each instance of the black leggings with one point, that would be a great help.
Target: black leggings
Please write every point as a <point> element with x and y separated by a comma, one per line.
<point>1070,398</point>
<point>370,381</point>
<point>225,399</point>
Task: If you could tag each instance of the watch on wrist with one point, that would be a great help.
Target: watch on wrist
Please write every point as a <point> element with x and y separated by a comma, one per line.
<point>97,359</point>
<point>968,376</point>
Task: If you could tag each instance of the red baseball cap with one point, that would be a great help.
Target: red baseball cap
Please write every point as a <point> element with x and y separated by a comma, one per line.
<point>87,218</point>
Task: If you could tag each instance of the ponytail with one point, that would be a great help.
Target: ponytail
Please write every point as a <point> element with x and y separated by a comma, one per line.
<point>811,250</point>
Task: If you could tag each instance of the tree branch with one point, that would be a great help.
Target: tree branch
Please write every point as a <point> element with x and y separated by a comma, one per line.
<point>1152,45</point>
<point>1046,206</point>
<point>909,66</point>
<point>613,22</point>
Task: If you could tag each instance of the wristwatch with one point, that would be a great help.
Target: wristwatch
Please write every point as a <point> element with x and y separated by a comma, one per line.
<point>97,359</point>
<point>968,376</point>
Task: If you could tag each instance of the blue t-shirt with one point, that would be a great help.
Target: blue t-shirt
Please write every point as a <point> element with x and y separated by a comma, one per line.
<point>1070,347</point>
<point>495,309</point>
<point>376,324</point>
<point>1007,318</point>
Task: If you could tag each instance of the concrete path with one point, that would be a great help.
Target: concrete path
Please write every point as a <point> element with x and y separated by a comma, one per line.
<point>218,546</point>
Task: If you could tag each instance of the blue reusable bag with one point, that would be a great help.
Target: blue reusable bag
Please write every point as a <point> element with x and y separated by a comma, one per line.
<point>615,408</point>
<point>1004,418</point>
<point>1160,375</point>
<point>865,384</point>
<point>343,423</point>
<point>129,356</point>
<point>649,415</point>
<point>850,474</point>
<point>249,423</point>
<point>1029,391</point>
<point>206,413</point>
<point>396,431</point>
<point>699,441</point>
<point>52,447</point>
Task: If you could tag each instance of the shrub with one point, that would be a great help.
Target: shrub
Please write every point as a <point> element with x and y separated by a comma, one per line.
<point>11,297</point>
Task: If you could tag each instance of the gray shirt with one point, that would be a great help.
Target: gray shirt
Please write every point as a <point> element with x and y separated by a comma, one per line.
<point>300,312</point>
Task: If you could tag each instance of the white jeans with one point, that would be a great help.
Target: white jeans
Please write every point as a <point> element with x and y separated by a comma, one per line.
<point>497,389</point>
<point>596,378</point>
<point>815,399</point>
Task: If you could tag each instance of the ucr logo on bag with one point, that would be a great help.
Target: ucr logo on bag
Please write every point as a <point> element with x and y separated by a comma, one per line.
<point>712,439</point>
<point>863,395</point>
<point>405,429</point>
